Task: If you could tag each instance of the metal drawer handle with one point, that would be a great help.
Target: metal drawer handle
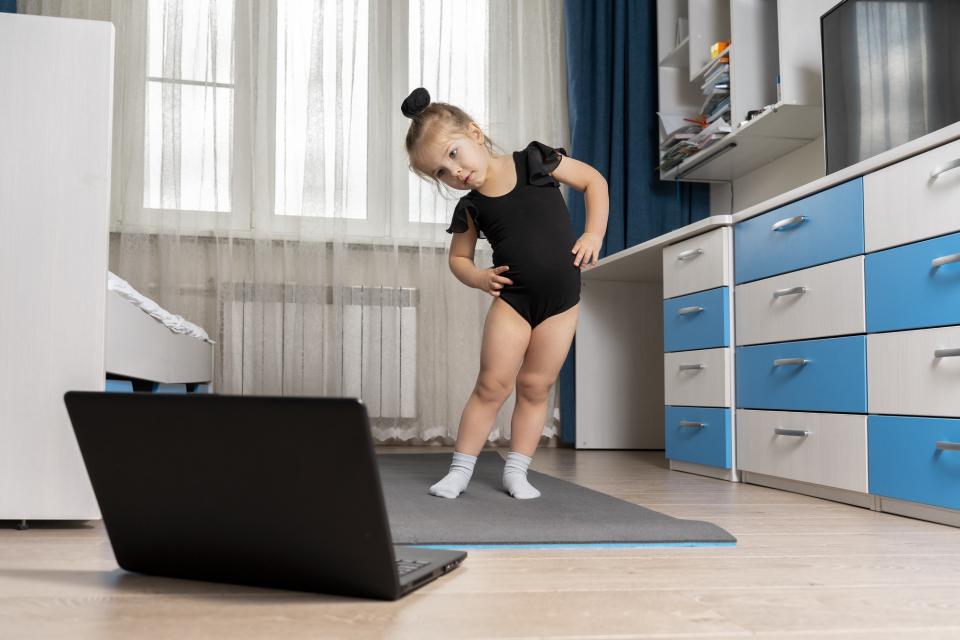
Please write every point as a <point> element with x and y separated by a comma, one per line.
<point>939,262</point>
<point>792,291</point>
<point>689,253</point>
<point>692,423</point>
<point>685,311</point>
<point>692,367</point>
<point>797,433</point>
<point>781,362</point>
<point>788,222</point>
<point>946,353</point>
<point>948,446</point>
<point>953,164</point>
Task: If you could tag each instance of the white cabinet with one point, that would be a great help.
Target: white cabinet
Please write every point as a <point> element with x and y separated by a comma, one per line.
<point>913,199</point>
<point>811,303</point>
<point>700,263</point>
<point>828,449</point>
<point>915,372</point>
<point>774,68</point>
<point>55,127</point>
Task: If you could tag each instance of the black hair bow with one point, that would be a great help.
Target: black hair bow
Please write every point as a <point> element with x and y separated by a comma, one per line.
<point>417,101</point>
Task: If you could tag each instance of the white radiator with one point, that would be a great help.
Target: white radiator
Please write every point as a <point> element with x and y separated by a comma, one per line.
<point>300,339</point>
<point>380,349</point>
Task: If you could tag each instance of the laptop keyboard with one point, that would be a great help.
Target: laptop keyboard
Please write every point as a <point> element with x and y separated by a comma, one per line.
<point>406,566</point>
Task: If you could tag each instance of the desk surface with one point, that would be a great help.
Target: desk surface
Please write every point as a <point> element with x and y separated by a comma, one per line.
<point>644,262</point>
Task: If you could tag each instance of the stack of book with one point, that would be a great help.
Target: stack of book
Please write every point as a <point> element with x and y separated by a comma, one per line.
<point>716,89</point>
<point>688,140</point>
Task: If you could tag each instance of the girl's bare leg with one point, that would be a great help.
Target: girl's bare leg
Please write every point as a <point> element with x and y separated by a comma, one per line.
<point>505,338</point>
<point>549,344</point>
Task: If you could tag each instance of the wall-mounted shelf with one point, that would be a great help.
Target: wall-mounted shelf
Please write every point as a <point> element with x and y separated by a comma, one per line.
<point>679,58</point>
<point>775,133</point>
<point>773,59</point>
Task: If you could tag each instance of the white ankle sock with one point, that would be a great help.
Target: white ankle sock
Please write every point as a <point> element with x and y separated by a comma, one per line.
<point>515,477</point>
<point>456,481</point>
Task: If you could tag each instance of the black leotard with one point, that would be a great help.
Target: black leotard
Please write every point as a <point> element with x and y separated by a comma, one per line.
<point>530,232</point>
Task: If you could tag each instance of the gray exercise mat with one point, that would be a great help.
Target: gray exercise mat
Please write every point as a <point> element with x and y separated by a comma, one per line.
<point>565,513</point>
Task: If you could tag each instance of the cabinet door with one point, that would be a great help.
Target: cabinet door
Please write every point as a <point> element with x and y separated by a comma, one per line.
<point>820,228</point>
<point>810,375</point>
<point>822,448</point>
<point>915,459</point>
<point>698,434</point>
<point>697,378</point>
<point>697,264</point>
<point>810,303</point>
<point>910,200</point>
<point>697,321</point>
<point>915,372</point>
<point>914,286</point>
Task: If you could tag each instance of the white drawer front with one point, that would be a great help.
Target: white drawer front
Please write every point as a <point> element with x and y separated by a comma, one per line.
<point>697,264</point>
<point>697,378</point>
<point>901,203</point>
<point>833,453</point>
<point>905,376</point>
<point>812,303</point>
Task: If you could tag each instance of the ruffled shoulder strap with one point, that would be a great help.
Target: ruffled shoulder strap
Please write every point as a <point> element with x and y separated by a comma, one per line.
<point>541,162</point>
<point>459,222</point>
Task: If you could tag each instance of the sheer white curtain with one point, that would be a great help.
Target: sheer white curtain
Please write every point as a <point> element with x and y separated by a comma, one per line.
<point>261,190</point>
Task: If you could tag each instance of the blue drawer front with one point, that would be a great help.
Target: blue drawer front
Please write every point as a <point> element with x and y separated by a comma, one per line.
<point>905,291</point>
<point>905,463</point>
<point>706,329</point>
<point>834,379</point>
<point>833,230</point>
<point>708,444</point>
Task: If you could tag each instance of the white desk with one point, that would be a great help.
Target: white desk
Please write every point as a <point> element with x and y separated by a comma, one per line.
<point>619,348</point>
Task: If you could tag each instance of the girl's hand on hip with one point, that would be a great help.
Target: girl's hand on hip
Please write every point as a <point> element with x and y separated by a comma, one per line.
<point>586,249</point>
<point>492,282</point>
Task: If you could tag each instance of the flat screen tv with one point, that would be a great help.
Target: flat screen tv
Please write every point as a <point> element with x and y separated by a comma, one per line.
<point>891,73</point>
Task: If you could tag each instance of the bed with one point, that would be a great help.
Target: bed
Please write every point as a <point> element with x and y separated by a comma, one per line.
<point>146,343</point>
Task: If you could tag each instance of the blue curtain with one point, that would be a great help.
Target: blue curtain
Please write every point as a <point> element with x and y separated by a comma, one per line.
<point>612,94</point>
<point>8,6</point>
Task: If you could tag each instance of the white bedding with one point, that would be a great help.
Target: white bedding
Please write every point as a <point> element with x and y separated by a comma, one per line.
<point>170,320</point>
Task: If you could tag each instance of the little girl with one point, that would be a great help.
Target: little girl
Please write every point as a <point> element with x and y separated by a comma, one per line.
<point>515,202</point>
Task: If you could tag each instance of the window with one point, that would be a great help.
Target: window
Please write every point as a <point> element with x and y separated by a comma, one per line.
<point>188,137</point>
<point>310,130</point>
<point>447,52</point>
<point>324,104</point>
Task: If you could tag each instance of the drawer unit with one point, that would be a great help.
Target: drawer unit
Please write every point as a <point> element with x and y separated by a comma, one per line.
<point>697,321</point>
<point>820,228</point>
<point>697,264</point>
<point>821,448</point>
<point>914,286</point>
<point>697,378</point>
<point>913,199</point>
<point>699,435</point>
<point>915,372</point>
<point>811,303</point>
<point>915,459</point>
<point>810,375</point>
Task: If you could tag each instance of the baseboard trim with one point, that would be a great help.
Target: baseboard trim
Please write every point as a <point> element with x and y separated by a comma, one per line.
<point>846,496</point>
<point>920,511</point>
<point>703,470</point>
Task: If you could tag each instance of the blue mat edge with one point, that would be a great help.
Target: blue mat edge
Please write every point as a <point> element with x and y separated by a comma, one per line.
<point>617,545</point>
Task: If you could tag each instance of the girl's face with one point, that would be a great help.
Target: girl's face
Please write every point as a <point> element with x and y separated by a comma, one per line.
<point>459,160</point>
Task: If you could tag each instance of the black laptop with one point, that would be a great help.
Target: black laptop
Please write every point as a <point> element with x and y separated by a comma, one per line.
<point>266,491</point>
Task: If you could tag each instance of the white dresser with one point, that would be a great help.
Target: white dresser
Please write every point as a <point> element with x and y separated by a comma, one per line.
<point>847,310</point>
<point>698,373</point>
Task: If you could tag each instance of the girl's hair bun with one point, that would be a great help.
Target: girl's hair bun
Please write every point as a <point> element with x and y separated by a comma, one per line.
<point>417,101</point>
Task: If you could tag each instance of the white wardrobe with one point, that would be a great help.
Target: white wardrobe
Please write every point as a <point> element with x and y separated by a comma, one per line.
<point>56,99</point>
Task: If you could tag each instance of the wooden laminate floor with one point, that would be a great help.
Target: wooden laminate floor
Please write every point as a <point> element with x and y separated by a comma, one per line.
<point>803,568</point>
